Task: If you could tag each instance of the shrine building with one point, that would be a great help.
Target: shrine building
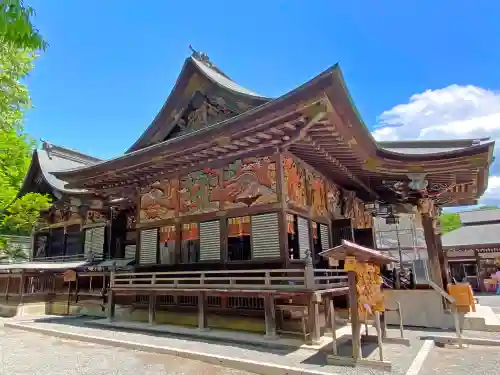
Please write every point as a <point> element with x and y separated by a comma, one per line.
<point>224,203</point>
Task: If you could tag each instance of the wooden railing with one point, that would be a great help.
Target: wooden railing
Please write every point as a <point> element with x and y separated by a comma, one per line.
<point>277,279</point>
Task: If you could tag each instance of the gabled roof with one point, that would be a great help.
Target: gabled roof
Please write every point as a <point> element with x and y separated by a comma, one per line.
<point>198,74</point>
<point>421,147</point>
<point>472,236</point>
<point>480,216</point>
<point>316,122</point>
<point>51,158</point>
<point>362,254</point>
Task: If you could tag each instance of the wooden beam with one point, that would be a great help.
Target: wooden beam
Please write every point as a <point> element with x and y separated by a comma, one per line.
<point>303,130</point>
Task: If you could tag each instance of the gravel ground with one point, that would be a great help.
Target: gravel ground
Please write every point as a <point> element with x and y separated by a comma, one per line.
<point>24,353</point>
<point>474,360</point>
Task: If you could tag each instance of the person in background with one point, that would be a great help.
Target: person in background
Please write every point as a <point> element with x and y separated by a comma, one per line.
<point>497,277</point>
<point>412,279</point>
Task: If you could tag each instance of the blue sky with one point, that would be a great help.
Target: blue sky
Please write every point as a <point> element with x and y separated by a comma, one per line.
<point>111,64</point>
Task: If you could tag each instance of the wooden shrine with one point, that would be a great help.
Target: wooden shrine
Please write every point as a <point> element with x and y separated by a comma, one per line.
<point>225,202</point>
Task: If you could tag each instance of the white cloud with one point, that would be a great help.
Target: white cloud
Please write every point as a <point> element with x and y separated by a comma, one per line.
<point>450,113</point>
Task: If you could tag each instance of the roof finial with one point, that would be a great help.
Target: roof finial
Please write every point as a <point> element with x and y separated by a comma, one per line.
<point>200,56</point>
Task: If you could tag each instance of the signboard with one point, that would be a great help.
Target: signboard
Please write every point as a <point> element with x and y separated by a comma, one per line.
<point>350,263</point>
<point>69,276</point>
<point>333,262</point>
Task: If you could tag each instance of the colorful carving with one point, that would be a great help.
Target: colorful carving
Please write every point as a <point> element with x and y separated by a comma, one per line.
<point>348,204</point>
<point>159,201</point>
<point>197,190</point>
<point>362,219</point>
<point>248,182</point>
<point>295,182</point>
<point>238,226</point>
<point>368,287</point>
<point>94,217</point>
<point>333,198</point>
<point>131,220</point>
<point>317,194</point>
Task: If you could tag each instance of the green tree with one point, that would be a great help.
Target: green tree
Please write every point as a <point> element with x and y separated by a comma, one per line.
<point>16,26</point>
<point>17,46</point>
<point>449,222</point>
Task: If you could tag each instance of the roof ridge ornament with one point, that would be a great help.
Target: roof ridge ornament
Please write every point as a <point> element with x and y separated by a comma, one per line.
<point>204,59</point>
<point>200,56</point>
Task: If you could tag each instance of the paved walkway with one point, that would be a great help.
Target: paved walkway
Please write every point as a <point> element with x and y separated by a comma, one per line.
<point>474,360</point>
<point>490,300</point>
<point>400,356</point>
<point>25,353</point>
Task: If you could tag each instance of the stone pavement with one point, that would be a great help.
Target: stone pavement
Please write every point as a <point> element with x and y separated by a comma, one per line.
<point>490,300</point>
<point>98,359</point>
<point>305,360</point>
<point>26,353</point>
<point>474,360</point>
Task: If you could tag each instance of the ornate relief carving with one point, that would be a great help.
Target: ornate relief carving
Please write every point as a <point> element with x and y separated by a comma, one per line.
<point>94,217</point>
<point>334,201</point>
<point>348,204</point>
<point>131,220</point>
<point>159,201</point>
<point>362,219</point>
<point>317,194</point>
<point>196,190</point>
<point>426,206</point>
<point>204,111</point>
<point>248,182</point>
<point>295,182</point>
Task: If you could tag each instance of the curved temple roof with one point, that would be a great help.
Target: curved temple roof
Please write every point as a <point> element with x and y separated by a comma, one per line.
<point>49,159</point>
<point>317,122</point>
<point>196,65</point>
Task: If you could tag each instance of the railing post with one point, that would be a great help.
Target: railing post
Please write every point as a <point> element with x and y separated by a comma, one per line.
<point>111,295</point>
<point>153,279</point>
<point>267,279</point>
<point>309,271</point>
<point>202,312</point>
<point>270,316</point>
<point>152,308</point>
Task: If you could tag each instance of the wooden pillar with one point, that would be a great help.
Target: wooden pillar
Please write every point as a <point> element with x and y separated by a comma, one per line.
<point>480,277</point>
<point>111,305</point>
<point>354,313</point>
<point>202,311</point>
<point>270,316</point>
<point>328,305</point>
<point>282,222</point>
<point>333,326</point>
<point>152,308</point>
<point>21,287</point>
<point>7,287</point>
<point>443,259</point>
<point>432,250</point>
<point>313,319</point>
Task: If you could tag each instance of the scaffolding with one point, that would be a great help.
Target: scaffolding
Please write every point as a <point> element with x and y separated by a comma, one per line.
<point>404,241</point>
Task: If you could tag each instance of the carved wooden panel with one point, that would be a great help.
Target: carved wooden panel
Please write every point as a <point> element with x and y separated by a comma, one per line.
<point>197,190</point>
<point>334,199</point>
<point>94,217</point>
<point>294,182</point>
<point>248,182</point>
<point>317,194</point>
<point>159,201</point>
